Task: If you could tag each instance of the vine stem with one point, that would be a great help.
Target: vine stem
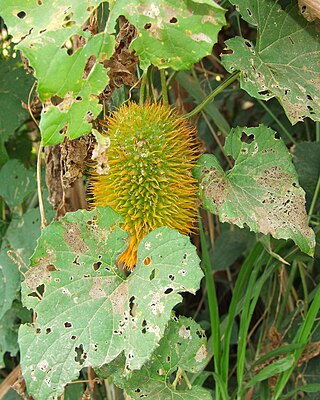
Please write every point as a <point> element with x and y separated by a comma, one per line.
<point>44,222</point>
<point>143,88</point>
<point>314,200</point>
<point>233,77</point>
<point>164,87</point>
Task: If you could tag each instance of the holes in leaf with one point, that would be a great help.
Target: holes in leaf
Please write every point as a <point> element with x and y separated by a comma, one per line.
<point>56,100</point>
<point>48,330</point>
<point>200,334</point>
<point>91,62</point>
<point>138,390</point>
<point>171,277</point>
<point>144,326</point>
<point>291,40</point>
<point>73,337</point>
<point>309,97</point>
<point>81,355</point>
<point>57,280</point>
<point>131,305</point>
<point>76,261</point>
<point>248,43</point>
<point>249,12</point>
<point>173,20</point>
<point>89,116</point>
<point>130,355</point>
<point>67,324</point>
<point>86,275</point>
<point>152,275</point>
<point>38,331</point>
<point>95,347</point>
<point>147,26</point>
<point>147,261</point>
<point>247,139</point>
<point>79,98</point>
<point>63,130</point>
<point>168,291</point>
<point>168,358</point>
<point>310,109</point>
<point>264,92</point>
<point>21,14</point>
<point>96,265</point>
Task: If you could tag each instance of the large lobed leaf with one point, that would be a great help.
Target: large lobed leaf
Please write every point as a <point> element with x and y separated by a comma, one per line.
<point>89,313</point>
<point>171,34</point>
<point>183,347</point>
<point>77,79</point>
<point>261,190</point>
<point>284,63</point>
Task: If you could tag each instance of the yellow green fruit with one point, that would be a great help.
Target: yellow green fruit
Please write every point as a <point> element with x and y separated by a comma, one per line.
<point>151,155</point>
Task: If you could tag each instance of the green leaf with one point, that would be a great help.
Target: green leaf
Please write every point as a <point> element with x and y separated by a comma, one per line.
<point>76,79</point>
<point>228,248</point>
<point>171,34</point>
<point>15,85</point>
<point>24,231</point>
<point>9,282</point>
<point>272,369</point>
<point>183,347</point>
<point>8,335</point>
<point>16,183</point>
<point>306,157</point>
<point>89,313</point>
<point>261,190</point>
<point>284,63</point>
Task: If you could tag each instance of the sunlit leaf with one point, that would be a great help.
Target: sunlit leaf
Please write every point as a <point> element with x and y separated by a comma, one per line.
<point>260,191</point>
<point>171,34</point>
<point>284,63</point>
<point>89,313</point>
<point>183,347</point>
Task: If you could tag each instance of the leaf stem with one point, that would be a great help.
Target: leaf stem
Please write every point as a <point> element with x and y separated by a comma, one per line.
<point>143,88</point>
<point>314,200</point>
<point>317,131</point>
<point>164,87</point>
<point>284,129</point>
<point>233,77</point>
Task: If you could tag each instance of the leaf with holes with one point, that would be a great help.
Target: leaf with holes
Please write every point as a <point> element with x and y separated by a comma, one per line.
<point>171,34</point>
<point>284,63</point>
<point>68,84</point>
<point>261,190</point>
<point>87,312</point>
<point>182,348</point>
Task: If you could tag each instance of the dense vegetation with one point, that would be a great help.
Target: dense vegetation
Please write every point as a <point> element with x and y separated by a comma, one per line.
<point>217,303</point>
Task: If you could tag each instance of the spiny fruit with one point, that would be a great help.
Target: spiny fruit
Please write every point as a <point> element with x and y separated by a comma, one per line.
<point>152,152</point>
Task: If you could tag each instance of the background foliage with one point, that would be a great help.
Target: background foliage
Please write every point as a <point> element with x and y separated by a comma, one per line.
<point>133,336</point>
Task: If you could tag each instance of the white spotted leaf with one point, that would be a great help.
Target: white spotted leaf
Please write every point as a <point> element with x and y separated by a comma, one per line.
<point>68,84</point>
<point>260,191</point>
<point>171,34</point>
<point>284,62</point>
<point>87,311</point>
<point>182,348</point>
